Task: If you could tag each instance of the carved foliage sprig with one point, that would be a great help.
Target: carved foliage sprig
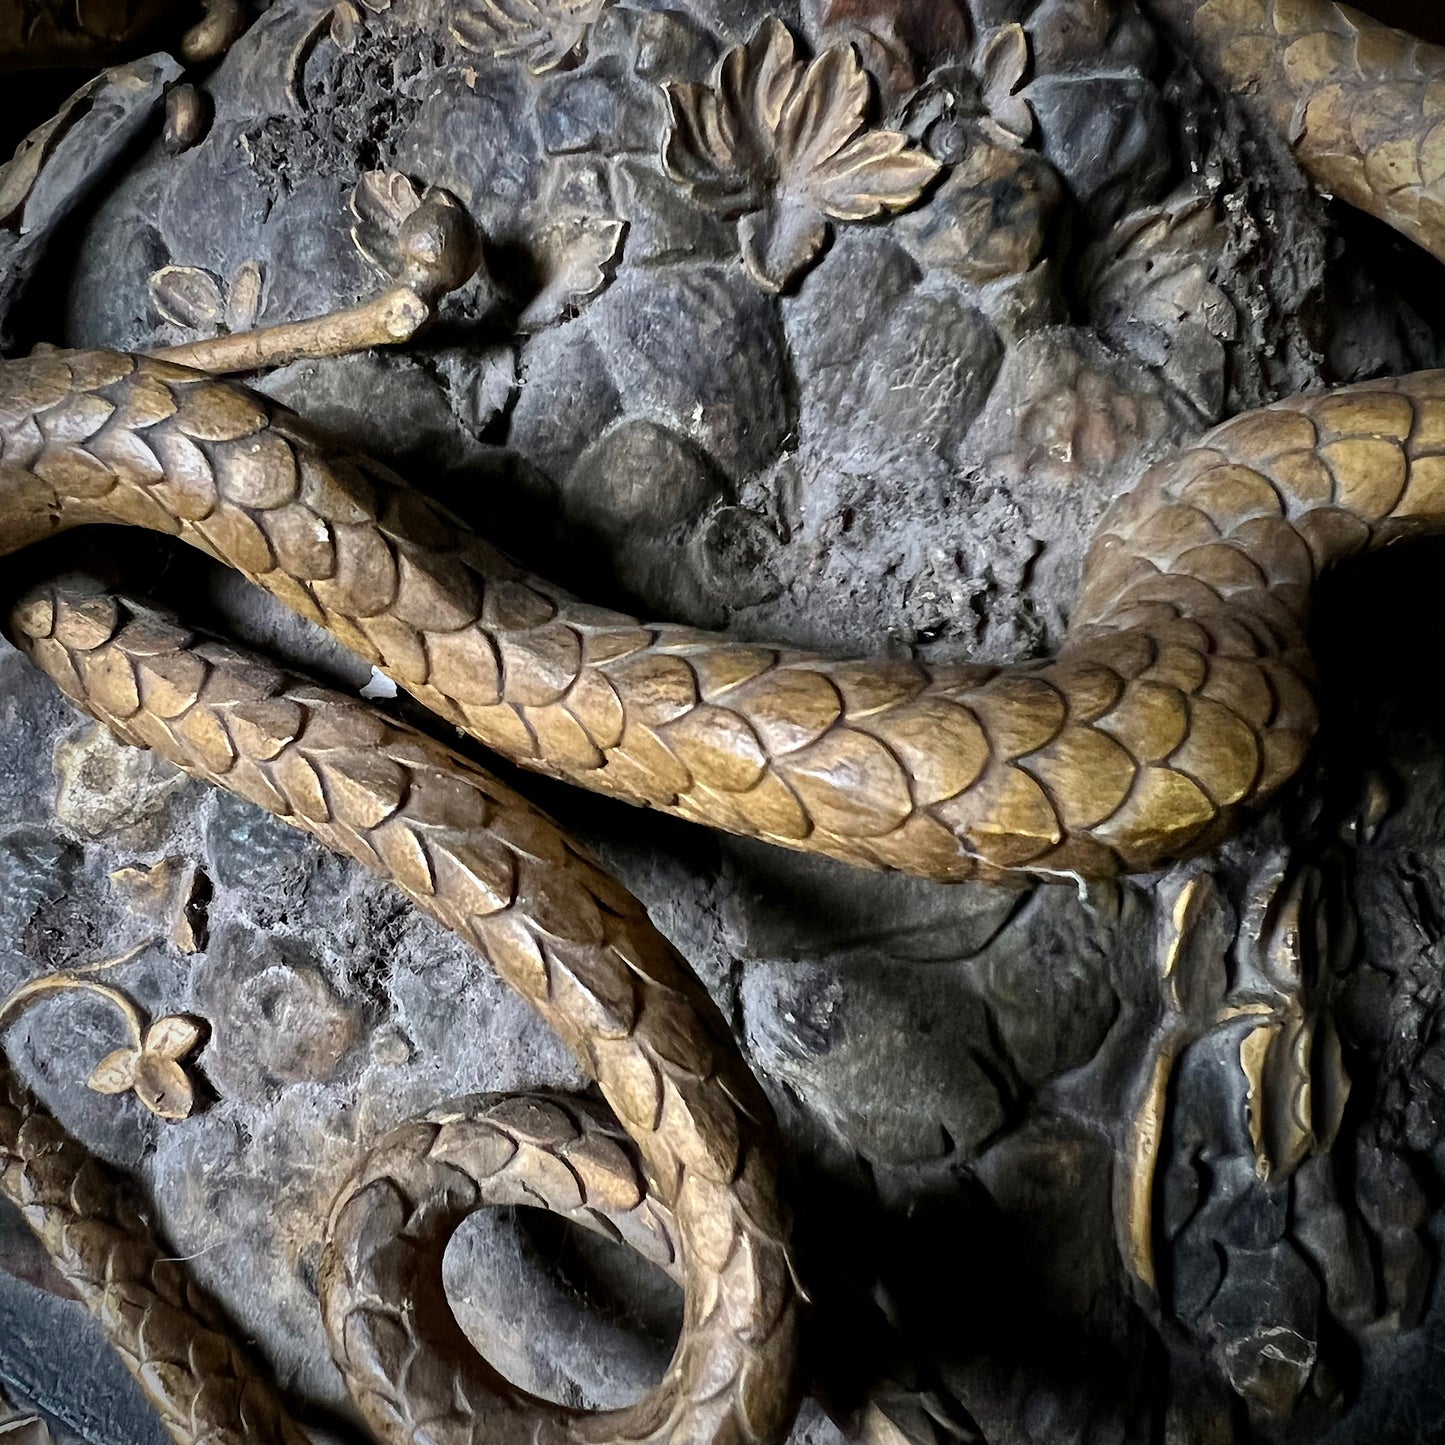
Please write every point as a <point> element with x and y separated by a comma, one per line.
<point>782,143</point>
<point>548,34</point>
<point>151,1069</point>
<point>149,1066</point>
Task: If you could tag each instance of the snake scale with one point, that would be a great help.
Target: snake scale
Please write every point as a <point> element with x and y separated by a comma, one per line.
<point>1181,699</point>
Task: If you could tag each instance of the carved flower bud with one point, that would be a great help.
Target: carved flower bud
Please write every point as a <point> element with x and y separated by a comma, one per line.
<point>427,242</point>
<point>438,246</point>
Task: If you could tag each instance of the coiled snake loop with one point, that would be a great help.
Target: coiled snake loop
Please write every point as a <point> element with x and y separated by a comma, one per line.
<point>1181,699</point>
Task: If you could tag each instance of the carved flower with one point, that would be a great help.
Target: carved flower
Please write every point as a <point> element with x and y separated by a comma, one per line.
<point>152,1070</point>
<point>423,239</point>
<point>190,297</point>
<point>781,143</point>
<point>549,33</point>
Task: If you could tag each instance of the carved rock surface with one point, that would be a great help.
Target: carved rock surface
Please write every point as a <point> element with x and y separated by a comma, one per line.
<point>907,451</point>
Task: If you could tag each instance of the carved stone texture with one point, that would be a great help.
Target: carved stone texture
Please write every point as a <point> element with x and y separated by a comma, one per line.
<point>905,451</point>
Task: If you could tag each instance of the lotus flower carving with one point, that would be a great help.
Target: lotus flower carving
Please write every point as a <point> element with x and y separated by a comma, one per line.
<point>782,143</point>
<point>549,34</point>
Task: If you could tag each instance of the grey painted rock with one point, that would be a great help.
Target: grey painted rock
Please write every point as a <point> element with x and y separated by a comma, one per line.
<point>904,450</point>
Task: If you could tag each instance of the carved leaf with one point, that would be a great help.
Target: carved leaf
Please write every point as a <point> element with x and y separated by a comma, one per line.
<point>704,156</point>
<point>754,82</point>
<point>782,143</point>
<point>173,1037</point>
<point>780,240</point>
<point>188,296</point>
<point>1005,60</point>
<point>823,112</point>
<point>578,259</point>
<point>1153,290</point>
<point>1275,1058</point>
<point>547,33</point>
<point>19,174</point>
<point>880,171</point>
<point>115,1073</point>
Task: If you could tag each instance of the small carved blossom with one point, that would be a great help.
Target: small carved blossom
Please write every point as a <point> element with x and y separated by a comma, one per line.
<point>197,300</point>
<point>150,1065</point>
<point>782,143</point>
<point>152,1070</point>
<point>422,239</point>
<point>547,33</point>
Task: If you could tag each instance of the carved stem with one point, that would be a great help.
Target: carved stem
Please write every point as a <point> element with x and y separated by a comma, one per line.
<point>394,316</point>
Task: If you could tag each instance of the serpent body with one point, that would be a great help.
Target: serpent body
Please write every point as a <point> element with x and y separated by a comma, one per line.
<point>486,864</point>
<point>1181,698</point>
<point>1361,105</point>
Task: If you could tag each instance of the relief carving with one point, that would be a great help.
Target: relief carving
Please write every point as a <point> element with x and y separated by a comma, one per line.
<point>1076,1073</point>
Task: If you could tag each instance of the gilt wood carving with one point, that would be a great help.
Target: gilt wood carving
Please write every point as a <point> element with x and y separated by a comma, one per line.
<point>822,332</point>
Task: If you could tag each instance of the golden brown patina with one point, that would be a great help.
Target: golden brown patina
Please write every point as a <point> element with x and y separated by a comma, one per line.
<point>1181,698</point>
<point>485,863</point>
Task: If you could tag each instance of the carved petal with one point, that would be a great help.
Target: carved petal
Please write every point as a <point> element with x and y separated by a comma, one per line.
<point>381,201</point>
<point>754,84</point>
<point>189,297</point>
<point>1005,61</point>
<point>243,305</point>
<point>701,150</point>
<point>162,1086</point>
<point>115,1073</point>
<point>780,241</point>
<point>880,171</point>
<point>824,111</point>
<point>173,1037</point>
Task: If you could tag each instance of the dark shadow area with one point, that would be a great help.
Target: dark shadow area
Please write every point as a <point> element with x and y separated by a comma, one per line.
<point>1425,18</point>
<point>517,1278</point>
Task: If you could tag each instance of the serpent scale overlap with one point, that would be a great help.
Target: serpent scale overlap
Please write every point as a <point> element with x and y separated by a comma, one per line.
<point>487,865</point>
<point>1181,698</point>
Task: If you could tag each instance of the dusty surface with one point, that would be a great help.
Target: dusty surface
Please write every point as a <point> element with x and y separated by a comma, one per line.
<point>905,452</point>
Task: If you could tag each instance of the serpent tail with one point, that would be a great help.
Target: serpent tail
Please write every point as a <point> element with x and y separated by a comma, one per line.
<point>171,1336</point>
<point>571,940</point>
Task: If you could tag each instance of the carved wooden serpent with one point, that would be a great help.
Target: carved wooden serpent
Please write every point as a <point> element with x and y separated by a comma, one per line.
<point>485,863</point>
<point>1181,697</point>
